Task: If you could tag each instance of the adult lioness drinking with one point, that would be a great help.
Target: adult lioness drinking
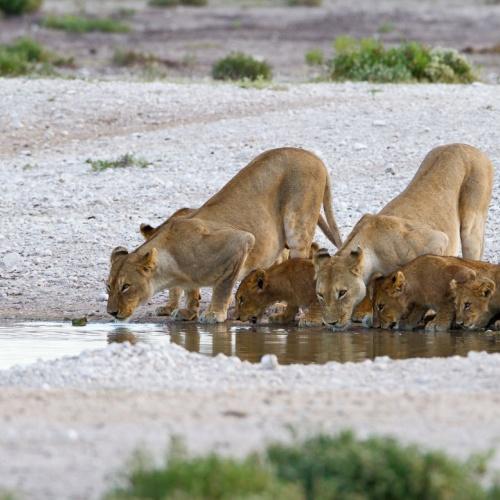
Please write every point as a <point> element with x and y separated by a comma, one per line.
<point>272,204</point>
<point>443,207</point>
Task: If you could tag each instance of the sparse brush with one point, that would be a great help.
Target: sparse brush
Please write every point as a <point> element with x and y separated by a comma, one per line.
<point>315,57</point>
<point>304,3</point>
<point>19,7</point>
<point>175,3</point>
<point>239,66</point>
<point>369,60</point>
<point>81,24</point>
<point>125,161</point>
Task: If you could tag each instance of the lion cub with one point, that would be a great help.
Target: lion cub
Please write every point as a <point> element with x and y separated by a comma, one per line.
<point>291,281</point>
<point>401,299</point>
<point>477,298</point>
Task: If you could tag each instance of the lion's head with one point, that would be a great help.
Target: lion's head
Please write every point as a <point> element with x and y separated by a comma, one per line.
<point>472,297</point>
<point>339,285</point>
<point>129,283</point>
<point>252,297</point>
<point>390,300</point>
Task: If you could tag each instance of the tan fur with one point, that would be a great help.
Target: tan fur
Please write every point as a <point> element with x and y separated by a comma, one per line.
<point>444,207</point>
<point>477,297</point>
<point>272,204</point>
<point>401,299</point>
<point>291,281</point>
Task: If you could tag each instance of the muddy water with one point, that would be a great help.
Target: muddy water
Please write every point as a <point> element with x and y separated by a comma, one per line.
<point>23,343</point>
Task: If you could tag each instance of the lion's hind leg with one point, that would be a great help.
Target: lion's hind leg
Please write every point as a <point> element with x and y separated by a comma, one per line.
<point>174,297</point>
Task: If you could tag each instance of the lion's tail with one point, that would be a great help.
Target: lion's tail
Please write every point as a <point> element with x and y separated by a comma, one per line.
<point>329,226</point>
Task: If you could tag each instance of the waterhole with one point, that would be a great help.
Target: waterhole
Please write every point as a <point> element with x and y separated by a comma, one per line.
<point>24,343</point>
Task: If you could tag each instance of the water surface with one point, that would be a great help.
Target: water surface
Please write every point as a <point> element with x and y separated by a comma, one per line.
<point>24,343</point>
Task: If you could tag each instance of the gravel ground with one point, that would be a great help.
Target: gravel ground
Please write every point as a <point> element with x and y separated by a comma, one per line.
<point>78,419</point>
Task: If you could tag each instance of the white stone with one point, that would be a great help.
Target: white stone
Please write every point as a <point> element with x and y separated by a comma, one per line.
<point>12,261</point>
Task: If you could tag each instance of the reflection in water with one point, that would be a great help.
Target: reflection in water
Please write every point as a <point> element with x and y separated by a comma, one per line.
<point>23,343</point>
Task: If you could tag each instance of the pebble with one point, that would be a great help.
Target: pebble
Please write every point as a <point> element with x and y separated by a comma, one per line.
<point>12,261</point>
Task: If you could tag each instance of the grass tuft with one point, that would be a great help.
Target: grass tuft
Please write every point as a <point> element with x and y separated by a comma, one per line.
<point>175,3</point>
<point>369,60</point>
<point>320,468</point>
<point>81,24</point>
<point>304,3</point>
<point>239,66</point>
<point>125,161</point>
<point>315,57</point>
<point>19,7</point>
<point>26,56</point>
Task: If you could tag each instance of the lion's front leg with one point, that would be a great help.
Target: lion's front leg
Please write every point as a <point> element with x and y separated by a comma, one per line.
<point>233,247</point>
<point>312,317</point>
<point>287,316</point>
<point>190,312</point>
<point>174,297</point>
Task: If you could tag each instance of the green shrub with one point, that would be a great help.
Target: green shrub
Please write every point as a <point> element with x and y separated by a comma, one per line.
<point>125,161</point>
<point>18,7</point>
<point>375,469</point>
<point>369,60</point>
<point>79,24</point>
<point>25,56</point>
<point>239,66</point>
<point>320,468</point>
<point>315,57</point>
<point>210,477</point>
<point>133,58</point>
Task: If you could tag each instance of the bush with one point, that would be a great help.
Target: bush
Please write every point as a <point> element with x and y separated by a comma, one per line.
<point>369,60</point>
<point>125,161</point>
<point>304,3</point>
<point>239,66</point>
<point>320,468</point>
<point>210,477</point>
<point>18,7</point>
<point>375,468</point>
<point>314,57</point>
<point>25,56</point>
<point>79,24</point>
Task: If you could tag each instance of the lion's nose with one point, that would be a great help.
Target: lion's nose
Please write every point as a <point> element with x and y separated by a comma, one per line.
<point>253,319</point>
<point>459,322</point>
<point>392,325</point>
<point>114,314</point>
<point>332,323</point>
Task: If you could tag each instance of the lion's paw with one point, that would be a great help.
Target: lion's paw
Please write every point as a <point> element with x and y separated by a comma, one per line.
<point>184,315</point>
<point>434,326</point>
<point>212,317</point>
<point>306,322</point>
<point>164,310</point>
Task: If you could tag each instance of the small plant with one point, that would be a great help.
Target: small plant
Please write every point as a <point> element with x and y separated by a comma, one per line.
<point>19,7</point>
<point>369,60</point>
<point>238,66</point>
<point>315,57</point>
<point>125,161</point>
<point>133,58</point>
<point>25,56</point>
<point>304,3</point>
<point>386,27</point>
<point>80,24</point>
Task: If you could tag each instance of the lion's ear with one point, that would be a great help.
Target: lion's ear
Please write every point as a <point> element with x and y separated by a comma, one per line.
<point>149,260</point>
<point>357,260</point>
<point>320,259</point>
<point>117,252</point>
<point>147,230</point>
<point>486,287</point>
<point>398,282</point>
<point>261,278</point>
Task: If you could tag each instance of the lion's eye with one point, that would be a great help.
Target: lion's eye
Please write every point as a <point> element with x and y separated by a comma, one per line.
<point>240,301</point>
<point>467,306</point>
<point>320,297</point>
<point>342,293</point>
<point>108,287</point>
<point>380,307</point>
<point>125,288</point>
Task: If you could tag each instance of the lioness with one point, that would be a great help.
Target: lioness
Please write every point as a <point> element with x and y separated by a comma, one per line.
<point>272,204</point>
<point>401,299</point>
<point>477,298</point>
<point>291,281</point>
<point>443,207</point>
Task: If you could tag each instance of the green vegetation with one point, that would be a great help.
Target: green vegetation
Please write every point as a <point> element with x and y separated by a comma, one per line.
<point>369,60</point>
<point>320,468</point>
<point>304,3</point>
<point>19,7</point>
<point>239,66</point>
<point>25,56</point>
<point>386,27</point>
<point>315,57</point>
<point>133,58</point>
<point>175,3</point>
<point>82,24</point>
<point>125,161</point>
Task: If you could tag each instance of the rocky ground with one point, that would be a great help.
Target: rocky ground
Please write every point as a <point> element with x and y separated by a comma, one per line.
<point>78,419</point>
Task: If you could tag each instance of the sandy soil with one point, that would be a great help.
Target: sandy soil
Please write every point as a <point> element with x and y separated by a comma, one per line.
<point>189,40</point>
